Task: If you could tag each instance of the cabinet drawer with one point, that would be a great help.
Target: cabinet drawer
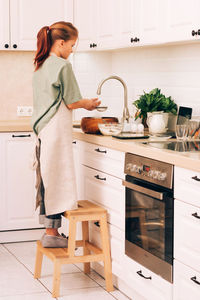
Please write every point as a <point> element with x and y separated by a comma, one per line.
<point>103,159</point>
<point>187,186</point>
<point>185,286</point>
<point>187,233</point>
<point>155,288</point>
<point>106,191</point>
<point>117,239</point>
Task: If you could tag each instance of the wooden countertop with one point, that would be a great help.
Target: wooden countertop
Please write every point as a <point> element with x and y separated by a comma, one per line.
<point>187,160</point>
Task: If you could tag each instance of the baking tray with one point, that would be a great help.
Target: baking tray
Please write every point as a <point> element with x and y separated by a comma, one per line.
<point>127,135</point>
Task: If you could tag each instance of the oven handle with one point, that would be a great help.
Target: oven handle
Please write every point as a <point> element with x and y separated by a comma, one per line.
<point>143,190</point>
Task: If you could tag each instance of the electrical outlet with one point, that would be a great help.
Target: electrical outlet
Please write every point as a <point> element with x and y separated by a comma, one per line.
<point>24,111</point>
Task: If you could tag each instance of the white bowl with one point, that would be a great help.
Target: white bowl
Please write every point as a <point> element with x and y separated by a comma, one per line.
<point>110,128</point>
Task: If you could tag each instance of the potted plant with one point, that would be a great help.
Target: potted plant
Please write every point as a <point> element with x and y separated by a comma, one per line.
<point>152,102</point>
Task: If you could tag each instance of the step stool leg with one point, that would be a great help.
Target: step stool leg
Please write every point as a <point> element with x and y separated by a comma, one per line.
<point>56,278</point>
<point>106,252</point>
<point>38,263</point>
<point>72,236</point>
<point>86,251</point>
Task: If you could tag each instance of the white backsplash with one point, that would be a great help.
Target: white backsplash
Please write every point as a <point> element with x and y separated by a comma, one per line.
<point>175,69</point>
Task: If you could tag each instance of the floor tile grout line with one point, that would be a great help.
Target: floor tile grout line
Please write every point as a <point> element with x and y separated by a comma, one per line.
<point>26,268</point>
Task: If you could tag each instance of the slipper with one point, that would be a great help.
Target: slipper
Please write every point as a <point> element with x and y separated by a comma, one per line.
<point>51,241</point>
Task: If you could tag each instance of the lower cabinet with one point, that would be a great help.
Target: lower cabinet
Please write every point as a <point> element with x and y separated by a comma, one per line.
<point>17,183</point>
<point>186,282</point>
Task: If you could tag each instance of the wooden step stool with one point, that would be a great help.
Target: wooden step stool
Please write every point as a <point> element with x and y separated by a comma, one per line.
<point>86,211</point>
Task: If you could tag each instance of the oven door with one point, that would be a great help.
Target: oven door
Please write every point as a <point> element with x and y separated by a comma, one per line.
<point>149,225</point>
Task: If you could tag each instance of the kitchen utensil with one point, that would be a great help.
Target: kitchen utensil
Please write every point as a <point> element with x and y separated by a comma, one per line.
<point>110,128</point>
<point>90,124</point>
<point>101,108</point>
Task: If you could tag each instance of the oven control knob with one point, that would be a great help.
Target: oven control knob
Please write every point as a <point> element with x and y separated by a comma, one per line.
<point>133,168</point>
<point>155,174</point>
<point>150,173</point>
<point>128,166</point>
<point>139,169</point>
<point>162,176</point>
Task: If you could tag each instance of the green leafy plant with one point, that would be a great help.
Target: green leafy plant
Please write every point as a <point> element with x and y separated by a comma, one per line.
<point>154,101</point>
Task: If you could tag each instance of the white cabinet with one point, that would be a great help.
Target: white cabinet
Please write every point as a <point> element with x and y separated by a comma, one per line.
<point>17,182</point>
<point>24,18</point>
<point>76,154</point>
<point>182,20</point>
<point>186,234</point>
<point>96,21</point>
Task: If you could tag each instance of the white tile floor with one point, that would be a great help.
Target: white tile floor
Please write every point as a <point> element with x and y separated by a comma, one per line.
<point>17,282</point>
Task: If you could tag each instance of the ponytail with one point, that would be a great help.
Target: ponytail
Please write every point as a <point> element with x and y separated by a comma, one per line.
<point>48,35</point>
<point>43,46</point>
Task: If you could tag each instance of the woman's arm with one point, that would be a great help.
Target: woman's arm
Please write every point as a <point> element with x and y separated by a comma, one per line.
<point>88,104</point>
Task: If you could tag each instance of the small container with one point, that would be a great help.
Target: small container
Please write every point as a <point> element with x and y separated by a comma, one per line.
<point>181,132</point>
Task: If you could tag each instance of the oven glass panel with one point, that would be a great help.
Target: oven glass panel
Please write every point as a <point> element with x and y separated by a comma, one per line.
<point>149,223</point>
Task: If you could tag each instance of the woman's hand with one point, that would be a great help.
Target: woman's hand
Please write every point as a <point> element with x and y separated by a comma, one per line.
<point>91,104</point>
<point>88,104</point>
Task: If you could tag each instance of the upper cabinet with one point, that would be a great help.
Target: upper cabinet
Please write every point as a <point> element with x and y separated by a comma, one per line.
<point>22,19</point>
<point>182,20</point>
<point>95,20</point>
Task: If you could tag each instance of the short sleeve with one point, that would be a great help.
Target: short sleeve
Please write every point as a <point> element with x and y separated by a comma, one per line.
<point>69,87</point>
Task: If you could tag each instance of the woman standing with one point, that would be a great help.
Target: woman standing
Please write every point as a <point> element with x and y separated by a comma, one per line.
<point>55,94</point>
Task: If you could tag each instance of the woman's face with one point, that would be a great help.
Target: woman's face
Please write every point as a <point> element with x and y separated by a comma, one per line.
<point>66,48</point>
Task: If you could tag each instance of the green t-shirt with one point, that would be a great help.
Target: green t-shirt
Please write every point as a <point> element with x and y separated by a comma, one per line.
<point>53,82</point>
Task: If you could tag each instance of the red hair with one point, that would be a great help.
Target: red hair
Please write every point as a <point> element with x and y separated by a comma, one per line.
<point>47,36</point>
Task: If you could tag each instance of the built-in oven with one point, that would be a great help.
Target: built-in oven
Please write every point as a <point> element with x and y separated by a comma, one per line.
<point>149,213</point>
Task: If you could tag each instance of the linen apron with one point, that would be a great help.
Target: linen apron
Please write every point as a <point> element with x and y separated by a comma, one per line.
<point>55,164</point>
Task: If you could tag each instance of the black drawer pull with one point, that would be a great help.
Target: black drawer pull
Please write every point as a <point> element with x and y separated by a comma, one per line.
<point>100,178</point>
<point>97,224</point>
<point>21,135</point>
<point>74,142</point>
<point>196,215</point>
<point>196,178</point>
<point>195,280</point>
<point>101,151</point>
<point>140,274</point>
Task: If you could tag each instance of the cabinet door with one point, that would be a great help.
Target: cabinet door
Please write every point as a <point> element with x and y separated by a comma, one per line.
<point>28,16</point>
<point>18,183</point>
<point>186,282</point>
<point>128,22</point>
<point>85,21</point>
<point>186,231</point>
<point>182,17</point>
<point>4,25</point>
<point>151,21</point>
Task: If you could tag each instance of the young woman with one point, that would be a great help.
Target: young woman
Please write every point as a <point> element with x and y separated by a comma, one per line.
<point>55,94</point>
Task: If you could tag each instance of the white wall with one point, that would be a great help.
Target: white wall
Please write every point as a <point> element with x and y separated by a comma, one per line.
<point>175,69</point>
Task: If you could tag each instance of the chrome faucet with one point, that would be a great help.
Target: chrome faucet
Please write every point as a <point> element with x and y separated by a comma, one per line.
<point>126,114</point>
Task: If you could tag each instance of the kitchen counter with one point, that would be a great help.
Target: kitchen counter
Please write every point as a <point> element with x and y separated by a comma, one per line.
<point>21,124</point>
<point>187,160</point>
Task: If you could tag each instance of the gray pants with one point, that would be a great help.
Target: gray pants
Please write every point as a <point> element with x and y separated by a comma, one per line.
<point>51,221</point>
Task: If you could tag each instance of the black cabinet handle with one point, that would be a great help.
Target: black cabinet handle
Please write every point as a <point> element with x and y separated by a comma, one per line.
<point>194,279</point>
<point>194,32</point>
<point>94,45</point>
<point>196,178</point>
<point>97,224</point>
<point>74,142</point>
<point>196,215</point>
<point>198,31</point>
<point>100,178</point>
<point>101,151</point>
<point>135,40</point>
<point>140,274</point>
<point>21,135</point>
<point>6,46</point>
<point>91,45</point>
<point>15,46</point>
